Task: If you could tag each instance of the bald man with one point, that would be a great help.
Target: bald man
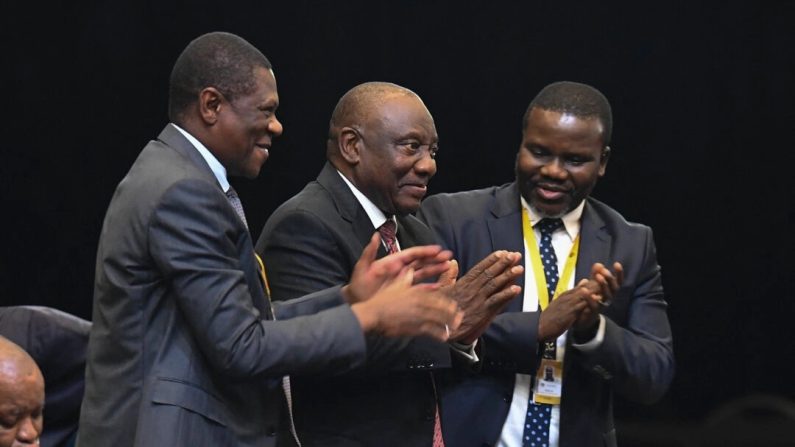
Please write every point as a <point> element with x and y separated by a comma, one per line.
<point>380,150</point>
<point>21,397</point>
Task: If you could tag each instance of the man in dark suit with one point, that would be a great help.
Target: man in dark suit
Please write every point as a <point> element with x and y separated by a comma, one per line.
<point>381,148</point>
<point>183,348</point>
<point>57,342</point>
<point>605,331</point>
<point>21,397</point>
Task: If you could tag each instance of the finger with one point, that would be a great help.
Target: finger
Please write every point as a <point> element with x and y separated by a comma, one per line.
<point>612,281</point>
<point>438,311</point>
<point>619,269</point>
<point>370,251</point>
<point>497,301</point>
<point>448,278</point>
<point>595,301</point>
<point>503,272</point>
<point>488,272</point>
<point>436,331</point>
<point>477,274</point>
<point>419,253</point>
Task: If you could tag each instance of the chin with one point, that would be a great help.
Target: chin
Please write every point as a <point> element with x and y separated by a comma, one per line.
<point>551,213</point>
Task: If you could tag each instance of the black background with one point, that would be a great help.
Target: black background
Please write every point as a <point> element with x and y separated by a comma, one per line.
<point>702,97</point>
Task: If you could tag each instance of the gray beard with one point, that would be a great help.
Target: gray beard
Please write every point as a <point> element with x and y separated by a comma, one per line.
<point>547,216</point>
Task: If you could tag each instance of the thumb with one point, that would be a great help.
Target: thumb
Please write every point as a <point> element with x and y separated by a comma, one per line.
<point>448,278</point>
<point>370,251</point>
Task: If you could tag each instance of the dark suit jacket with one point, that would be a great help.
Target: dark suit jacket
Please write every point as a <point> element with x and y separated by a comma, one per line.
<point>57,341</point>
<point>311,242</point>
<point>635,359</point>
<point>182,350</point>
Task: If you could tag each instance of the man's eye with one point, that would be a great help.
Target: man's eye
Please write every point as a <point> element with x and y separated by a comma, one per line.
<point>538,152</point>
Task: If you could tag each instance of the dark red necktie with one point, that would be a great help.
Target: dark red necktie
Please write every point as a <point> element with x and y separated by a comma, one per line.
<point>388,235</point>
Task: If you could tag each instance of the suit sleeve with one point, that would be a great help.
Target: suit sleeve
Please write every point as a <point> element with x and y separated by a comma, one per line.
<point>303,255</point>
<point>636,357</point>
<point>194,241</point>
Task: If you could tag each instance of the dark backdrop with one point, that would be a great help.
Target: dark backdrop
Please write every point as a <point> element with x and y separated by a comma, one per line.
<point>702,97</point>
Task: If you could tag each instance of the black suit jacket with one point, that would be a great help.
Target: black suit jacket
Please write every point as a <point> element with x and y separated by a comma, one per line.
<point>312,242</point>
<point>57,341</point>
<point>635,359</point>
<point>183,350</point>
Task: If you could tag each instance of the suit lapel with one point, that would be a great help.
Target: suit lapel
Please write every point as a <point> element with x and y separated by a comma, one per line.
<point>348,207</point>
<point>174,139</point>
<point>505,229</point>
<point>594,242</point>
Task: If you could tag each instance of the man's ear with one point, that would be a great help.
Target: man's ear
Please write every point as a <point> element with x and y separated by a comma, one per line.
<point>349,144</point>
<point>603,159</point>
<point>210,103</point>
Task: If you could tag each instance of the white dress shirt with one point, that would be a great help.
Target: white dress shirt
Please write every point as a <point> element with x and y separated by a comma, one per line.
<point>562,242</point>
<point>218,169</point>
<point>377,217</point>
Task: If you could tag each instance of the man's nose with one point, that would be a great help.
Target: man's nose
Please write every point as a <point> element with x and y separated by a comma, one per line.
<point>28,432</point>
<point>555,169</point>
<point>275,127</point>
<point>426,165</point>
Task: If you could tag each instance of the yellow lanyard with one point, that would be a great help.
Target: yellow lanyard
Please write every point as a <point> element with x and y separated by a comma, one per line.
<point>538,268</point>
<point>263,276</point>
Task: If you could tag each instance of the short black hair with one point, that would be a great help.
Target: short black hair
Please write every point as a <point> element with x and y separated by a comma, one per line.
<point>577,99</point>
<point>221,60</point>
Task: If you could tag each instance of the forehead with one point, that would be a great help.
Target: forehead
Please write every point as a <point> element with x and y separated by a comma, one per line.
<point>402,114</point>
<point>22,390</point>
<point>551,125</point>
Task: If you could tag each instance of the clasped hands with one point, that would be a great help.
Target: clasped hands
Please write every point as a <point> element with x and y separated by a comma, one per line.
<point>388,297</point>
<point>578,308</point>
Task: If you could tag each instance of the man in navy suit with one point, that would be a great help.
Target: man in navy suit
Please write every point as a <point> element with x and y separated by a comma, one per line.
<point>592,341</point>
<point>184,349</point>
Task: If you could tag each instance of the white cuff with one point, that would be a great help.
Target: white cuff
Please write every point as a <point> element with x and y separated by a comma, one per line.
<point>466,351</point>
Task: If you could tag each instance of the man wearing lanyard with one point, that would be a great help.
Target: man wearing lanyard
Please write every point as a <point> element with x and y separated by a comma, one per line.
<point>566,349</point>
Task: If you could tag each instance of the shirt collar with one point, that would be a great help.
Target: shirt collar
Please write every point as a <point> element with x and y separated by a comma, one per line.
<point>377,217</point>
<point>218,169</point>
<point>571,220</point>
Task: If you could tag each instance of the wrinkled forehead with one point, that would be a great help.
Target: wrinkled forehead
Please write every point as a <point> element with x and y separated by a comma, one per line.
<point>400,112</point>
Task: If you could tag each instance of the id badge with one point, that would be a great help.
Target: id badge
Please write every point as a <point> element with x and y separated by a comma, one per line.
<point>549,382</point>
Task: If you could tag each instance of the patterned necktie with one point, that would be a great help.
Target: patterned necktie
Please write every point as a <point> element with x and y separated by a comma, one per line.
<point>536,428</point>
<point>388,235</point>
<point>234,200</point>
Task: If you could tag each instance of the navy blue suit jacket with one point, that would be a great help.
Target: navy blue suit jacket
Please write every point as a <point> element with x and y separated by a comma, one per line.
<point>635,359</point>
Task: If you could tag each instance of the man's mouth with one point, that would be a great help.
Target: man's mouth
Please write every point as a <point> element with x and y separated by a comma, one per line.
<point>415,189</point>
<point>265,147</point>
<point>550,192</point>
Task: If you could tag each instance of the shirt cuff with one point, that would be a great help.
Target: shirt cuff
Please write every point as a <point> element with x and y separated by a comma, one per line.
<point>466,351</point>
<point>596,341</point>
